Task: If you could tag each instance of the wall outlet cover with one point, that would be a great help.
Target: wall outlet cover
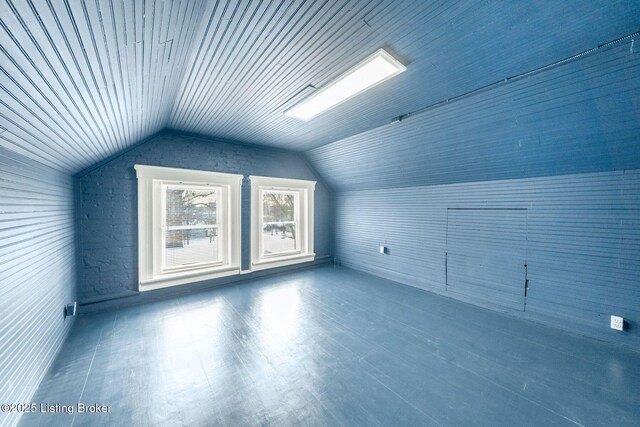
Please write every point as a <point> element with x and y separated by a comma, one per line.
<point>617,323</point>
<point>70,309</point>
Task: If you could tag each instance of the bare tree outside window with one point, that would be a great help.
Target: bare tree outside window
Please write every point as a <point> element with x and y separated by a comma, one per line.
<point>279,222</point>
<point>191,226</point>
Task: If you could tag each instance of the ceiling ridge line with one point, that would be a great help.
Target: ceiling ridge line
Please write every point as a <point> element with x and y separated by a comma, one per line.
<point>118,118</point>
<point>126,104</point>
<point>194,53</point>
<point>345,39</point>
<point>225,44</point>
<point>187,40</point>
<point>282,81</point>
<point>111,118</point>
<point>151,86</point>
<point>207,92</point>
<point>262,74</point>
<point>162,59</point>
<point>196,63</point>
<point>172,80</point>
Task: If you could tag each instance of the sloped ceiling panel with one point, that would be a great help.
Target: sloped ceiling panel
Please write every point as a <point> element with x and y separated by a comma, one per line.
<point>253,60</point>
<point>578,117</point>
<point>82,80</point>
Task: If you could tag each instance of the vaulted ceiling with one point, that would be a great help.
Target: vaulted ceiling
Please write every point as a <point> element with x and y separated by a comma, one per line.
<point>82,80</point>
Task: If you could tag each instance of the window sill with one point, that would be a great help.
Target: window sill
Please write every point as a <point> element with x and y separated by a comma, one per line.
<point>282,261</point>
<point>185,277</point>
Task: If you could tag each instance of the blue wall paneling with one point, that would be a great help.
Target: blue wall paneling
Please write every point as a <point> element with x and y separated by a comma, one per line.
<point>561,143</point>
<point>485,256</point>
<point>583,242</point>
<point>37,273</point>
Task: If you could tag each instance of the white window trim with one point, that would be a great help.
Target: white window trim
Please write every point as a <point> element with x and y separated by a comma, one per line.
<point>304,217</point>
<point>150,265</point>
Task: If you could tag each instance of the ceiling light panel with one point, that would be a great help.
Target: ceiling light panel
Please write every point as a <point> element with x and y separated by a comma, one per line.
<point>373,70</point>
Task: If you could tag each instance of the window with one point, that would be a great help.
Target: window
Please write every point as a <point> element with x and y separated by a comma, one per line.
<point>282,221</point>
<point>188,225</point>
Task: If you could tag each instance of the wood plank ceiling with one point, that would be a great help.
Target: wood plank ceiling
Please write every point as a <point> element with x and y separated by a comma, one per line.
<point>82,80</point>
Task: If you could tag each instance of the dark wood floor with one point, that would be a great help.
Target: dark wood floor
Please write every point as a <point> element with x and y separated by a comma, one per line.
<point>331,346</point>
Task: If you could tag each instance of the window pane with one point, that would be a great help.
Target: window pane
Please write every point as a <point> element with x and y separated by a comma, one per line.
<point>191,207</point>
<point>184,247</point>
<point>278,207</point>
<point>278,238</point>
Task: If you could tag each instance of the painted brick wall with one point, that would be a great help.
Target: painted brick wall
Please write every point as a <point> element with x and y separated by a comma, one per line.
<point>107,205</point>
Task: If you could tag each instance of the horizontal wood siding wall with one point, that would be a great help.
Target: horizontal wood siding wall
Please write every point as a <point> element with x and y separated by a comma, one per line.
<point>37,273</point>
<point>583,242</point>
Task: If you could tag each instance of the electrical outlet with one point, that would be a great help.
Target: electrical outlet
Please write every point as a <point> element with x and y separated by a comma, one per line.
<point>383,249</point>
<point>70,309</point>
<point>617,323</point>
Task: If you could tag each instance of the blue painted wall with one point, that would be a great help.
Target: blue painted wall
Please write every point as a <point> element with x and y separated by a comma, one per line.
<point>37,273</point>
<point>563,143</point>
<point>107,206</point>
<point>582,243</point>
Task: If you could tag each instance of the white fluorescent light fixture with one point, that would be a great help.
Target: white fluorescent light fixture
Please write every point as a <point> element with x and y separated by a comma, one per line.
<point>373,70</point>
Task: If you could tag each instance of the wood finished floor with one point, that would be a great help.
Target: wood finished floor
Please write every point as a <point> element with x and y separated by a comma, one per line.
<point>331,346</point>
